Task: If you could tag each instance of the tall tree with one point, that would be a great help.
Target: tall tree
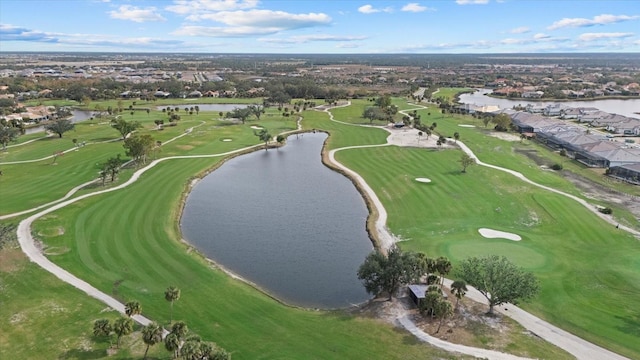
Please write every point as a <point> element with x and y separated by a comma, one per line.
<point>456,136</point>
<point>172,343</point>
<point>7,135</point>
<point>442,310</point>
<point>240,113</point>
<point>280,139</point>
<point>151,335</point>
<point>458,289</point>
<point>123,326</point>
<point>373,113</point>
<point>124,127</point>
<point>139,147</point>
<point>112,166</point>
<point>132,308</point>
<point>380,273</point>
<point>171,295</point>
<point>443,267</point>
<point>60,126</point>
<point>263,135</point>
<point>257,110</point>
<point>466,161</point>
<point>498,279</point>
<point>502,121</point>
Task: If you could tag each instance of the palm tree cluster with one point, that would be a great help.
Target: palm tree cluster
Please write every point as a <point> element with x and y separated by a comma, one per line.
<point>178,340</point>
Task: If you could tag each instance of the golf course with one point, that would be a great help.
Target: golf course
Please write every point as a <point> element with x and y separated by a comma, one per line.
<point>127,242</point>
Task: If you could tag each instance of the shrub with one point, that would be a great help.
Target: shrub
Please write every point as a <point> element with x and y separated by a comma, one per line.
<point>605,210</point>
<point>556,166</point>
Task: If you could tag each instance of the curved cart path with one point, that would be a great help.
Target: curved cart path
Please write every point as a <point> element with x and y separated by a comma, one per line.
<point>29,247</point>
<point>576,346</point>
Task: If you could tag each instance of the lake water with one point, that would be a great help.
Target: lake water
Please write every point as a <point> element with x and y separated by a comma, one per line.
<point>76,116</point>
<point>614,106</point>
<point>284,221</point>
<point>206,107</point>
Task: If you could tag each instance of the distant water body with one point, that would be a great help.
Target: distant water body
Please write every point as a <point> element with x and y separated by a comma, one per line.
<point>614,106</point>
<point>284,221</point>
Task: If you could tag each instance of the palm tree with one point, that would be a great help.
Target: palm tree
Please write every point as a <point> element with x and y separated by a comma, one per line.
<point>442,310</point>
<point>443,266</point>
<point>122,326</point>
<point>459,289</point>
<point>456,136</point>
<point>102,327</point>
<point>151,335</point>
<point>172,343</point>
<point>172,294</point>
<point>191,350</point>
<point>180,329</point>
<point>132,308</point>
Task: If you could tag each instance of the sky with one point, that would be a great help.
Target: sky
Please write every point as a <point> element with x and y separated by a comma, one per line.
<point>321,26</point>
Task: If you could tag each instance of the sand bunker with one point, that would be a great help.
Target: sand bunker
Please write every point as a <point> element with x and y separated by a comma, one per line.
<point>466,125</point>
<point>493,234</point>
<point>227,140</point>
<point>423,180</point>
<point>257,127</point>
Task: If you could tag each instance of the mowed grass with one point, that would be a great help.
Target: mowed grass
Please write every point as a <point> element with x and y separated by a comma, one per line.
<point>126,244</point>
<point>27,185</point>
<point>589,271</point>
<point>44,318</point>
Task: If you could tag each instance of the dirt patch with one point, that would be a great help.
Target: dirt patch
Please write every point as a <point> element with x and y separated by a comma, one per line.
<point>601,193</point>
<point>504,136</point>
<point>469,325</point>
<point>185,147</point>
<point>11,260</point>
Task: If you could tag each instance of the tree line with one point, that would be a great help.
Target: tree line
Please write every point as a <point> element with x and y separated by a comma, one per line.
<point>495,277</point>
<point>177,339</point>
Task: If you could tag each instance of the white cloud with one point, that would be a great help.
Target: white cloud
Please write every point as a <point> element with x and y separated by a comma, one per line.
<point>311,38</point>
<point>597,20</point>
<point>200,6</point>
<point>520,30</point>
<point>240,23</point>
<point>265,18</point>
<point>537,38</point>
<point>600,36</point>
<point>134,13</point>
<point>472,2</point>
<point>347,46</point>
<point>216,31</point>
<point>415,7</point>
<point>369,9</point>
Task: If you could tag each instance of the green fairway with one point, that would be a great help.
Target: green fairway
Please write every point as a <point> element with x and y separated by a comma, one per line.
<point>563,243</point>
<point>127,243</point>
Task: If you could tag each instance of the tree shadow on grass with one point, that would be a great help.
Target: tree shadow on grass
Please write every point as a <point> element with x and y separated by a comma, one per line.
<point>631,324</point>
<point>83,354</point>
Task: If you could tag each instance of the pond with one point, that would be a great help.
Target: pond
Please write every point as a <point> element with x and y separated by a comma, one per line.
<point>285,222</point>
<point>627,107</point>
<point>76,116</point>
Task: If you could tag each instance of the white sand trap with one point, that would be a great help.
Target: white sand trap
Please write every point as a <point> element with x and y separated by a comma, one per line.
<point>227,140</point>
<point>257,127</point>
<point>466,125</point>
<point>423,180</point>
<point>493,234</point>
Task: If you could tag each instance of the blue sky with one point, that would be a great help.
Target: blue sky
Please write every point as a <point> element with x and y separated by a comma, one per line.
<point>329,26</point>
